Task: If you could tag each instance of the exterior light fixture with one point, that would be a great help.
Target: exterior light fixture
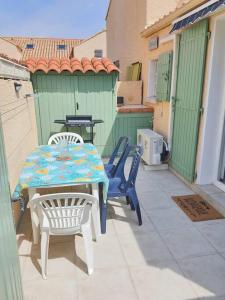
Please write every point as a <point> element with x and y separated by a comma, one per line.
<point>17,86</point>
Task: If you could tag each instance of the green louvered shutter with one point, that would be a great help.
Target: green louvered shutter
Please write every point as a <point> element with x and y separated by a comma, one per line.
<point>188,99</point>
<point>164,72</point>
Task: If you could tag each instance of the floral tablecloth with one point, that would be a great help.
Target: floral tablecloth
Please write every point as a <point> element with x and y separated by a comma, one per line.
<point>59,165</point>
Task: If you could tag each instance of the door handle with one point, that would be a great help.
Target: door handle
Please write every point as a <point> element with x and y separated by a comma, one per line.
<point>77,106</point>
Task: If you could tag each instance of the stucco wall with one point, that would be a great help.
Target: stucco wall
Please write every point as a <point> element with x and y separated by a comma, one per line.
<point>125,20</point>
<point>10,49</point>
<point>161,109</point>
<point>19,127</point>
<point>131,91</point>
<point>87,48</point>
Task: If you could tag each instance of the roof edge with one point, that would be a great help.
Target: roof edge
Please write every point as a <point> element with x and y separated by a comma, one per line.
<point>11,42</point>
<point>9,38</point>
<point>169,18</point>
<point>108,9</point>
<point>91,37</point>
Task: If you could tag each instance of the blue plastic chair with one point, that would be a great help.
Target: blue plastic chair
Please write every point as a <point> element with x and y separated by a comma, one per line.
<point>119,151</point>
<point>120,187</point>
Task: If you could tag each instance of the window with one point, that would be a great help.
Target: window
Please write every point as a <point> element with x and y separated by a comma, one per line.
<point>98,53</point>
<point>152,80</point>
<point>29,46</point>
<point>61,47</point>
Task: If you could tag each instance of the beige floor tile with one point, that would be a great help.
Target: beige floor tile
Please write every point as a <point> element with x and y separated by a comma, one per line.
<point>125,220</point>
<point>155,200</point>
<point>143,248</point>
<point>107,284</point>
<point>207,274</point>
<point>162,281</point>
<point>213,232</point>
<point>170,218</point>
<point>107,252</point>
<point>61,261</point>
<point>186,242</point>
<point>54,288</point>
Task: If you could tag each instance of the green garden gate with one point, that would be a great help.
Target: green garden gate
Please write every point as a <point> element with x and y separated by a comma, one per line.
<point>188,98</point>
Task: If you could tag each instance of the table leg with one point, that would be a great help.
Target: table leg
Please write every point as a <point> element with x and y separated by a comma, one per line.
<point>92,135</point>
<point>103,209</point>
<point>34,218</point>
<point>95,193</point>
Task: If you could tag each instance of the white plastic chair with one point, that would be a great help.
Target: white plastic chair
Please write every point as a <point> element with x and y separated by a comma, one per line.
<point>68,137</point>
<point>66,214</point>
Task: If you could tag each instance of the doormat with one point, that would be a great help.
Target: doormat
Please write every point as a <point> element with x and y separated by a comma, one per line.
<point>196,208</point>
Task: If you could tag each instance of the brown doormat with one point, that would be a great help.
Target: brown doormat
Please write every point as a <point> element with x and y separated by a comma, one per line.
<point>196,208</point>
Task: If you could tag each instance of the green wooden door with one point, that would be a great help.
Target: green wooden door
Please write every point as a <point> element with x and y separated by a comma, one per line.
<point>95,96</point>
<point>10,278</point>
<point>55,99</point>
<point>187,102</point>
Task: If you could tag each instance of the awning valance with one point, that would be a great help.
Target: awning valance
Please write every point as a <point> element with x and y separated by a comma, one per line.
<point>197,15</point>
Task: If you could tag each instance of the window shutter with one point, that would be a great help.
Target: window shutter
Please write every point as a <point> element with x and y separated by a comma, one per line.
<point>164,76</point>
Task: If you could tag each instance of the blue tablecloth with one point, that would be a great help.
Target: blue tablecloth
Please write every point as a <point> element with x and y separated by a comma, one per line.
<point>60,165</point>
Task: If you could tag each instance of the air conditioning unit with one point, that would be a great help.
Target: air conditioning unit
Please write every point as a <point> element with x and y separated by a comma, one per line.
<point>152,144</point>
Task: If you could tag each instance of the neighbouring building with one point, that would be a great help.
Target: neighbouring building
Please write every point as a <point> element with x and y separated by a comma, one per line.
<point>17,113</point>
<point>94,46</point>
<point>125,19</point>
<point>35,47</point>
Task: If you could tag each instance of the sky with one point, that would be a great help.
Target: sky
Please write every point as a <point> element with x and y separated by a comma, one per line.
<point>52,18</point>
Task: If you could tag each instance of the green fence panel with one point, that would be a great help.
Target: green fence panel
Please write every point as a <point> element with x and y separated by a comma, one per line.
<point>10,277</point>
<point>127,124</point>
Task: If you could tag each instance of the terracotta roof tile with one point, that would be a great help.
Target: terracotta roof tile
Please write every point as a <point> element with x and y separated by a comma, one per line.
<point>44,47</point>
<point>71,65</point>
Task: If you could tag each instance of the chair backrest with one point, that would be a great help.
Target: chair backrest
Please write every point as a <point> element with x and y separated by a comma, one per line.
<point>68,137</point>
<point>64,211</point>
<point>135,152</point>
<point>119,152</point>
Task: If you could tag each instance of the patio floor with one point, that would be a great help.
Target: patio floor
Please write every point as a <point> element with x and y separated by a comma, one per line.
<point>168,258</point>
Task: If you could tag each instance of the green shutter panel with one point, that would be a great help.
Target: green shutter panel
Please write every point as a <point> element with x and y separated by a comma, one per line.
<point>164,73</point>
<point>188,98</point>
<point>10,278</point>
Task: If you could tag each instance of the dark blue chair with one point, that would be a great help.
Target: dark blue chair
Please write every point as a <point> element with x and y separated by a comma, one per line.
<point>119,151</point>
<point>119,186</point>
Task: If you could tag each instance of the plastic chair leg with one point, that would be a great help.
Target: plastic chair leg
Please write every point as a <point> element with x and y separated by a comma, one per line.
<point>134,199</point>
<point>103,214</point>
<point>95,217</point>
<point>138,212</point>
<point>131,203</point>
<point>87,236</point>
<point>44,253</point>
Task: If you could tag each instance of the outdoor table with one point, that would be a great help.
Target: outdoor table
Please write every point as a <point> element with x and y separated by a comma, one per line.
<point>59,165</point>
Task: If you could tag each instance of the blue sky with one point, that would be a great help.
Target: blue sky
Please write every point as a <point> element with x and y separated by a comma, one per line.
<point>52,18</point>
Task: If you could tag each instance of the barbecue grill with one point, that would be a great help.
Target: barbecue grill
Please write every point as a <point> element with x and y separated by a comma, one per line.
<point>80,121</point>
